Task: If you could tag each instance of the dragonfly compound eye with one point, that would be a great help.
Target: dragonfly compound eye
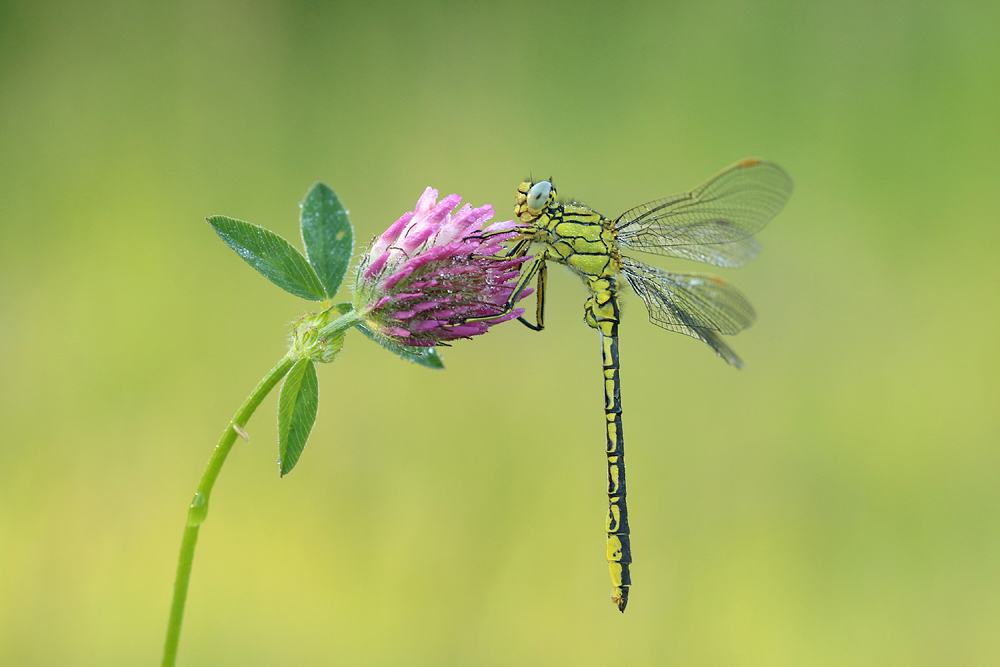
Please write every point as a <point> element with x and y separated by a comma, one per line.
<point>538,195</point>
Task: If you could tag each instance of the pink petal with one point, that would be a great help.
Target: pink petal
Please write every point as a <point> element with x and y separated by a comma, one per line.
<point>427,305</point>
<point>469,329</point>
<point>412,264</point>
<point>458,270</point>
<point>395,331</point>
<point>381,302</point>
<point>426,201</point>
<point>467,222</point>
<point>389,282</point>
<point>430,255</point>
<point>442,210</point>
<point>504,224</point>
<point>390,235</point>
<point>405,296</point>
<point>375,267</point>
<point>415,238</point>
<point>426,325</point>
<point>504,264</point>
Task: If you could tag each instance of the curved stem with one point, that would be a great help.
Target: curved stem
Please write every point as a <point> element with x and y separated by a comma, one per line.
<point>199,506</point>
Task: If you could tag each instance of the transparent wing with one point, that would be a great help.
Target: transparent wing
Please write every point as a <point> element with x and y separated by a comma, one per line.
<point>714,222</point>
<point>693,304</point>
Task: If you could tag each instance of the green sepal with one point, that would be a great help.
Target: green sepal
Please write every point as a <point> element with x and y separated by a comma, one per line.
<point>272,256</point>
<point>425,356</point>
<point>327,236</point>
<point>297,404</point>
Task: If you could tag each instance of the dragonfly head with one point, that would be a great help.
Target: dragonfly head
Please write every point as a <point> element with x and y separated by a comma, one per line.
<point>533,198</point>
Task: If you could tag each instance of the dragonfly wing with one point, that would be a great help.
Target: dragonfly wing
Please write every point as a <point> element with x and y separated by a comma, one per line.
<point>714,222</point>
<point>715,341</point>
<point>697,305</point>
<point>727,255</point>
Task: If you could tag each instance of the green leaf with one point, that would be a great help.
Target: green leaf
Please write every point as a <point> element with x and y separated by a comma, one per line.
<point>327,235</point>
<point>297,405</point>
<point>274,258</point>
<point>425,356</point>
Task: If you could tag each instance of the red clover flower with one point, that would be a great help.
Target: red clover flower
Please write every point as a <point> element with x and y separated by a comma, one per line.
<point>432,270</point>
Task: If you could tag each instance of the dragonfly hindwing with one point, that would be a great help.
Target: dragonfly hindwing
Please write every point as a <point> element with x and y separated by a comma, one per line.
<point>698,305</point>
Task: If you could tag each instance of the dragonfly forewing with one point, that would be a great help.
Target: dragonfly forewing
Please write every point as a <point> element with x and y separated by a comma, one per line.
<point>731,255</point>
<point>712,223</point>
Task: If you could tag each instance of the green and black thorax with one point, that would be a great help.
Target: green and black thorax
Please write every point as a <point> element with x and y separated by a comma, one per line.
<point>574,234</point>
<point>579,237</point>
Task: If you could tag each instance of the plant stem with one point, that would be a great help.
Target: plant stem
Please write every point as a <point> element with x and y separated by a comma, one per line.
<point>199,506</point>
<point>341,324</point>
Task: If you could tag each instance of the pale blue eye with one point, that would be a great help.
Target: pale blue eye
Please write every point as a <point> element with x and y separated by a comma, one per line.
<point>538,195</point>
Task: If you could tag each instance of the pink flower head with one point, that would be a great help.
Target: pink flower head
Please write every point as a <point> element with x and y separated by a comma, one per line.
<point>431,271</point>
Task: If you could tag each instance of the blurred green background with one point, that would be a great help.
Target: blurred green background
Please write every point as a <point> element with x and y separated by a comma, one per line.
<point>835,503</point>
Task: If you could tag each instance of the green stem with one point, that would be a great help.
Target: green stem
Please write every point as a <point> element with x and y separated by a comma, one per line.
<point>341,324</point>
<point>199,506</point>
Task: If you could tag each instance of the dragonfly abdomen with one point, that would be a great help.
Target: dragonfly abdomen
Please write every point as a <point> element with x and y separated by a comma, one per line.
<point>605,316</point>
<point>602,313</point>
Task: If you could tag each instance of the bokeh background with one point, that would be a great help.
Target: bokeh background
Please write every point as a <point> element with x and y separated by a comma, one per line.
<point>835,503</point>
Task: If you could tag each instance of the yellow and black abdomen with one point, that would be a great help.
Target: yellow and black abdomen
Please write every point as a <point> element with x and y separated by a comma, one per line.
<point>619,546</point>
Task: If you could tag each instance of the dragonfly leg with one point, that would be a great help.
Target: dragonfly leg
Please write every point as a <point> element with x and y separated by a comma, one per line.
<point>539,301</point>
<point>486,235</point>
<point>522,284</point>
<point>519,249</point>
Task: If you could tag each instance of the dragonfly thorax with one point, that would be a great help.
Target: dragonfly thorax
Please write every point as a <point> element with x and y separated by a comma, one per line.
<point>573,233</point>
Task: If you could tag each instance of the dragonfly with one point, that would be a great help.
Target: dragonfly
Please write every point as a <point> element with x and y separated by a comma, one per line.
<point>714,223</point>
